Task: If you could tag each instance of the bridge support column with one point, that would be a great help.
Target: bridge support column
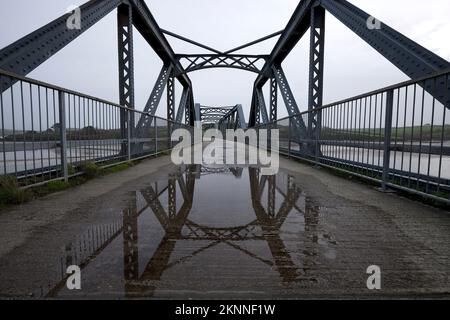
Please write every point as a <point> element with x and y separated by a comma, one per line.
<point>316,62</point>
<point>170,106</point>
<point>126,71</point>
<point>273,99</point>
<point>190,109</point>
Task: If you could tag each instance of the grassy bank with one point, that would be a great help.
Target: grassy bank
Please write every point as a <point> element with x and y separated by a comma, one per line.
<point>11,192</point>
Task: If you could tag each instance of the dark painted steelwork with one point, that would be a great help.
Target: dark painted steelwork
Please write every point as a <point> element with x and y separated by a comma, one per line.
<point>171,98</point>
<point>126,71</point>
<point>126,59</point>
<point>195,43</point>
<point>155,97</point>
<point>233,119</point>
<point>410,57</point>
<point>53,128</point>
<point>243,62</point>
<point>273,99</point>
<point>299,126</point>
<point>197,113</point>
<point>190,109</point>
<point>316,61</point>
<point>182,107</point>
<point>207,61</point>
<point>26,54</point>
<point>262,108</point>
<point>117,121</point>
<point>395,136</point>
<point>147,26</point>
<point>294,31</point>
<point>212,115</point>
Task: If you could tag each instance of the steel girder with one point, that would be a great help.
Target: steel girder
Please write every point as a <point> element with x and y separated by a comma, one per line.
<point>316,65</point>
<point>126,69</point>
<point>197,113</point>
<point>182,107</point>
<point>26,54</point>
<point>411,58</point>
<point>254,117</point>
<point>126,59</point>
<point>408,56</point>
<point>273,99</point>
<point>233,119</point>
<point>299,126</point>
<point>294,31</point>
<point>147,26</point>
<point>258,110</point>
<point>190,109</point>
<point>155,98</point>
<point>171,98</point>
<point>213,114</point>
<point>262,108</point>
<point>170,106</point>
<point>208,61</point>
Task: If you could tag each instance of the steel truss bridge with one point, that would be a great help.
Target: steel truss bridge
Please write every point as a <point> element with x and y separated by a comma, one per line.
<point>320,134</point>
<point>31,51</point>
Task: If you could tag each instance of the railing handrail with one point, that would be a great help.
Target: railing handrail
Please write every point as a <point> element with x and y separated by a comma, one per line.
<point>365,95</point>
<point>76,93</point>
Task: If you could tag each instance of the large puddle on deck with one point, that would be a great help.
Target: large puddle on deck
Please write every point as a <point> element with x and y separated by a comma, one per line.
<point>203,232</point>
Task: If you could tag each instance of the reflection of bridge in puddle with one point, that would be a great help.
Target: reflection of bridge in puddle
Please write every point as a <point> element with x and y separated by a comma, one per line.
<point>178,227</point>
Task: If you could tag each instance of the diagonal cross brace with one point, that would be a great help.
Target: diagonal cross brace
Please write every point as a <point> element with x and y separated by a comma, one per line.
<point>299,126</point>
<point>182,106</point>
<point>155,98</point>
<point>262,108</point>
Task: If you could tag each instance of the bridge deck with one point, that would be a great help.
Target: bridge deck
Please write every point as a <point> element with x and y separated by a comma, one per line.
<point>315,237</point>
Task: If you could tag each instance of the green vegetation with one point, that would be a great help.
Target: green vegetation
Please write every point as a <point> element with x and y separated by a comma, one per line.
<point>91,170</point>
<point>118,168</point>
<point>55,186</point>
<point>10,192</point>
<point>71,170</point>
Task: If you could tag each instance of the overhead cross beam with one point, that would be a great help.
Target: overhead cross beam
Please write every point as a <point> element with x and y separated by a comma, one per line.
<point>221,59</point>
<point>197,62</point>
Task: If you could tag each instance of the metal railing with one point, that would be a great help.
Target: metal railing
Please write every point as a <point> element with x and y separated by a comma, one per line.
<point>48,132</point>
<point>398,136</point>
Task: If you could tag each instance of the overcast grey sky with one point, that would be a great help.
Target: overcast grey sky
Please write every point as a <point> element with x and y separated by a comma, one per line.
<point>89,64</point>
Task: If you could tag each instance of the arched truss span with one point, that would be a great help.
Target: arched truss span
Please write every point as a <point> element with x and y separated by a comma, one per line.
<point>249,63</point>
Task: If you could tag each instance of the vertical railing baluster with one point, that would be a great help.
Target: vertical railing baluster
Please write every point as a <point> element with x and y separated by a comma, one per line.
<point>62,121</point>
<point>387,137</point>
<point>128,128</point>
